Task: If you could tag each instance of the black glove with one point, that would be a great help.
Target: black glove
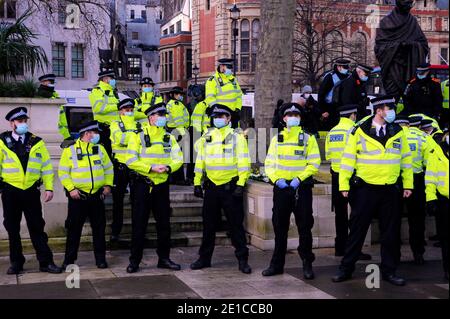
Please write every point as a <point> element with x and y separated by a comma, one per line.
<point>239,191</point>
<point>432,207</point>
<point>198,191</point>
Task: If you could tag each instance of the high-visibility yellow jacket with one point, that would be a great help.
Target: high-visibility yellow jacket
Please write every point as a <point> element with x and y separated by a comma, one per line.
<point>39,166</point>
<point>178,115</point>
<point>63,126</point>
<point>222,154</point>
<point>153,146</point>
<point>374,163</point>
<point>104,103</point>
<point>420,145</point>
<point>436,176</point>
<point>199,119</point>
<point>292,153</point>
<point>86,167</point>
<point>444,87</point>
<point>336,141</point>
<point>225,90</point>
<point>142,103</point>
<point>435,123</point>
<point>121,131</point>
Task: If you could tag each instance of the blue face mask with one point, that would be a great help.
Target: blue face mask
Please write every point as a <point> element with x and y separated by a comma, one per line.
<point>292,121</point>
<point>161,121</point>
<point>147,90</point>
<point>390,116</point>
<point>344,71</point>
<point>421,76</point>
<point>364,78</point>
<point>112,82</point>
<point>128,113</point>
<point>220,122</point>
<point>180,98</point>
<point>22,128</point>
<point>228,72</point>
<point>95,139</point>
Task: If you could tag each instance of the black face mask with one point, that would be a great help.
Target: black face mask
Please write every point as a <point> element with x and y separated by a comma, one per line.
<point>404,6</point>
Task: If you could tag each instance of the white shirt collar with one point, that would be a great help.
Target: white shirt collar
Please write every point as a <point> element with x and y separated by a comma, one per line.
<point>16,136</point>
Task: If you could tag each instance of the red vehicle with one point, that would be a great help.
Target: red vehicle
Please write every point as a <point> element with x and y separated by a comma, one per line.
<point>440,71</point>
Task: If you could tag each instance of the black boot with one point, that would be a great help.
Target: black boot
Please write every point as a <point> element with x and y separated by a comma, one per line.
<point>244,267</point>
<point>50,268</point>
<point>168,264</point>
<point>308,272</point>
<point>200,264</point>
<point>132,268</point>
<point>272,271</point>
<point>341,276</point>
<point>394,279</point>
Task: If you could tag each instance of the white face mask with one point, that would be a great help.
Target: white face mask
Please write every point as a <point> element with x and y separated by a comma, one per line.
<point>446,139</point>
<point>307,95</point>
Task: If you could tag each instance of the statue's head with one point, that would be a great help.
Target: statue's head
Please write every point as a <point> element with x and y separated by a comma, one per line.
<point>404,6</point>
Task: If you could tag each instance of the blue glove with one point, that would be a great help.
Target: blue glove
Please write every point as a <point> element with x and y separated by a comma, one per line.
<point>281,183</point>
<point>295,183</point>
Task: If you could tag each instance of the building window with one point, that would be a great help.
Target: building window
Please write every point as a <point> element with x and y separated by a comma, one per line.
<point>135,35</point>
<point>256,31</point>
<point>172,29</point>
<point>360,48</point>
<point>245,46</point>
<point>144,15</point>
<point>132,14</point>
<point>445,24</point>
<point>77,61</point>
<point>8,9</point>
<point>188,63</point>
<point>444,56</point>
<point>179,26</point>
<point>134,67</point>
<point>59,59</point>
<point>208,4</point>
<point>167,66</point>
<point>165,32</point>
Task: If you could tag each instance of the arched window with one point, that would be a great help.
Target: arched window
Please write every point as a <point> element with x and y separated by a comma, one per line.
<point>360,47</point>
<point>333,47</point>
<point>256,30</point>
<point>245,46</point>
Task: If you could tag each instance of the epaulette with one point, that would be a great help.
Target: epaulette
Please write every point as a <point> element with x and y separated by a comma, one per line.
<point>436,80</point>
<point>413,80</point>
<point>354,130</point>
<point>211,78</point>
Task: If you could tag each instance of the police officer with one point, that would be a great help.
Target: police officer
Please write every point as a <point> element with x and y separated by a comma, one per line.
<point>177,123</point>
<point>152,155</point>
<point>47,90</point>
<point>420,145</point>
<point>431,128</point>
<point>341,71</point>
<point>147,98</point>
<point>104,99</point>
<point>423,93</point>
<point>223,88</point>
<point>120,135</point>
<point>292,160</point>
<point>437,193</point>
<point>200,119</point>
<point>24,164</point>
<point>224,162</point>
<point>353,90</point>
<point>377,153</point>
<point>444,119</point>
<point>87,174</point>
<point>335,143</point>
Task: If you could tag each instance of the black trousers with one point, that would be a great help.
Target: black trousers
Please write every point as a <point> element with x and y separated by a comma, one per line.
<point>15,202</point>
<point>121,181</point>
<point>94,209</point>
<point>105,139</point>
<point>340,206</point>
<point>442,228</point>
<point>216,199</point>
<point>366,202</point>
<point>416,215</point>
<point>284,204</point>
<point>145,201</point>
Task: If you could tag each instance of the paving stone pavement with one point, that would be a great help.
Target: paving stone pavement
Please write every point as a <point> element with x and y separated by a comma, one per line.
<point>223,280</point>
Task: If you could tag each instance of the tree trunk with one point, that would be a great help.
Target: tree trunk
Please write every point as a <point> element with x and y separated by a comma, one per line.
<point>273,78</point>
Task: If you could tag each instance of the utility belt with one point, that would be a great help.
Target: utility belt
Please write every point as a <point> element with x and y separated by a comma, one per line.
<point>138,178</point>
<point>87,196</point>
<point>231,185</point>
<point>119,166</point>
<point>358,182</point>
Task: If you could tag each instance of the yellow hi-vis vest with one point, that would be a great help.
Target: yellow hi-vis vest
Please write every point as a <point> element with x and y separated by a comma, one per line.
<point>374,163</point>
<point>153,146</point>
<point>444,87</point>
<point>121,131</point>
<point>420,145</point>
<point>104,103</point>
<point>178,115</point>
<point>63,126</point>
<point>86,167</point>
<point>200,120</point>
<point>225,90</point>
<point>222,154</point>
<point>292,153</point>
<point>336,141</point>
<point>436,176</point>
<point>39,166</point>
<point>142,103</point>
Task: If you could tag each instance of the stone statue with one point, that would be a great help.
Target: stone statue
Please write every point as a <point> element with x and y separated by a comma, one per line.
<point>117,45</point>
<point>400,45</point>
